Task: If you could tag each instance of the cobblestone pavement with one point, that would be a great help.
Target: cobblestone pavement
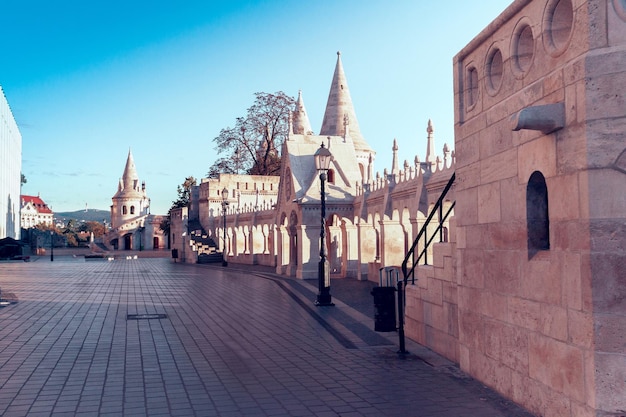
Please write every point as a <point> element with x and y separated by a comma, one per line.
<point>152,337</point>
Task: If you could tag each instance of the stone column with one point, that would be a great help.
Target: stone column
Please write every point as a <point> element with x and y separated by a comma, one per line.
<point>392,243</point>
<point>309,252</point>
<point>366,248</point>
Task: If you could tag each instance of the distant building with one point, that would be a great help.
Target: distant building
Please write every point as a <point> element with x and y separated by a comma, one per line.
<point>132,225</point>
<point>10,171</point>
<point>34,211</point>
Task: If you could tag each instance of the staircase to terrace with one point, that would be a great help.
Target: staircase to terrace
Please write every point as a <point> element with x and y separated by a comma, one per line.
<point>203,244</point>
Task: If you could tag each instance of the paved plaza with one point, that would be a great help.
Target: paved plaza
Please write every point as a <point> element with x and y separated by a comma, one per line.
<point>153,337</point>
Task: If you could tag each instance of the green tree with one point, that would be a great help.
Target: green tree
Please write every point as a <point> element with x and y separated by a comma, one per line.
<point>184,193</point>
<point>165,224</point>
<point>184,196</point>
<point>23,179</point>
<point>253,145</point>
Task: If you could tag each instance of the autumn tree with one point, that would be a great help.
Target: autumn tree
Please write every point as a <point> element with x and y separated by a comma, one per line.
<point>253,145</point>
<point>98,229</point>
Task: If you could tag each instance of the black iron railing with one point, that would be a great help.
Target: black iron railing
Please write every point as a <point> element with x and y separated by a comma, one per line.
<point>413,257</point>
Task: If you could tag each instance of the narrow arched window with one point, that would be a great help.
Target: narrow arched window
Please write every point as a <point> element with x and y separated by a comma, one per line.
<point>537,218</point>
<point>132,209</point>
<point>124,210</point>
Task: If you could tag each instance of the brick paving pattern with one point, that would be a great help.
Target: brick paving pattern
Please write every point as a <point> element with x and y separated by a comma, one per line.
<point>228,342</point>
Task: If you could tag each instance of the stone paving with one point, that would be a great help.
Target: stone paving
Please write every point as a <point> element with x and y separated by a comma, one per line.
<point>152,337</point>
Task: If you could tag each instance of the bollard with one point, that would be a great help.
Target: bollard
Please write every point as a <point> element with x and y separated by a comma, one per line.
<point>384,316</point>
<point>401,318</point>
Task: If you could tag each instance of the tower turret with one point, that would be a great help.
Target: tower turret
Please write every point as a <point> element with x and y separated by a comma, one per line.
<point>301,123</point>
<point>340,114</point>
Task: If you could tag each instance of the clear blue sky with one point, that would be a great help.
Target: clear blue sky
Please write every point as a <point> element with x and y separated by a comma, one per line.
<point>87,80</point>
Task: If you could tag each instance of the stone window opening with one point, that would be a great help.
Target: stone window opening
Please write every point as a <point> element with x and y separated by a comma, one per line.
<point>494,71</point>
<point>537,217</point>
<point>132,209</point>
<point>124,210</point>
<point>558,23</point>
<point>523,48</point>
<point>472,87</point>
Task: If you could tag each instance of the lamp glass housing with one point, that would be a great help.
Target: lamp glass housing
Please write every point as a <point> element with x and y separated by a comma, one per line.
<point>323,157</point>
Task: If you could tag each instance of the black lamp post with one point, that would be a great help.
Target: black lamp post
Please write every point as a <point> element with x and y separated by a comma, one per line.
<point>51,246</point>
<point>224,205</point>
<point>323,157</point>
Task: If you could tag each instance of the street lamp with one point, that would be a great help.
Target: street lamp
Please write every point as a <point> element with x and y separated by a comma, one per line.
<point>323,157</point>
<point>51,246</point>
<point>224,205</point>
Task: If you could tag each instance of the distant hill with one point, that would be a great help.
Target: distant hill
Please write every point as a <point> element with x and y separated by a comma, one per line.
<point>90,215</point>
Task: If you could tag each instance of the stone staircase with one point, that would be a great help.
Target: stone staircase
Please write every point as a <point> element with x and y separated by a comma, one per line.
<point>203,245</point>
<point>98,246</point>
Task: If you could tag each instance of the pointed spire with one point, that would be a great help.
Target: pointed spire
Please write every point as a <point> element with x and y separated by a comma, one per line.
<point>130,177</point>
<point>430,145</point>
<point>301,124</point>
<point>394,162</point>
<point>339,110</point>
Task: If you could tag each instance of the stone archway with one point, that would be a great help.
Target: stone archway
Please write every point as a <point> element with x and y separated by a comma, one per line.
<point>128,241</point>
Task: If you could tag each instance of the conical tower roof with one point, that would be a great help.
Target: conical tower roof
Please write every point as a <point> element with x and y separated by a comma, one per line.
<point>130,179</point>
<point>301,123</point>
<point>340,111</point>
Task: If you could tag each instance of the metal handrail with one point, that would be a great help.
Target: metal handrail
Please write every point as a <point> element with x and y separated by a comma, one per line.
<point>423,232</point>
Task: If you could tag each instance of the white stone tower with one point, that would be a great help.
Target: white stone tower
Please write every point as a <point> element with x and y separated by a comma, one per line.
<point>131,201</point>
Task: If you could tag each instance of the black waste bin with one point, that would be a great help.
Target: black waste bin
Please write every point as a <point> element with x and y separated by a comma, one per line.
<point>385,309</point>
<point>175,253</point>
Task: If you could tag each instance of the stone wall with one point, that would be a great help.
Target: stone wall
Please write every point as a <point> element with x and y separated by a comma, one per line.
<point>539,121</point>
<point>432,317</point>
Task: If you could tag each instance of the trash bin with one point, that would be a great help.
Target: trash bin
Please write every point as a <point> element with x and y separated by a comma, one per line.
<point>385,309</point>
<point>175,253</point>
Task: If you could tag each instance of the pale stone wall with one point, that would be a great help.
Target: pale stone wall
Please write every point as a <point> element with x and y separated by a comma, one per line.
<point>275,221</point>
<point>432,316</point>
<point>546,328</point>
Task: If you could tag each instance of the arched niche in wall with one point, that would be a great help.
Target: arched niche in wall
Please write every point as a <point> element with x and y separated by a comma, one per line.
<point>537,217</point>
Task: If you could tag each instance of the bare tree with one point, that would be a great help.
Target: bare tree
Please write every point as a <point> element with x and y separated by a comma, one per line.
<point>253,145</point>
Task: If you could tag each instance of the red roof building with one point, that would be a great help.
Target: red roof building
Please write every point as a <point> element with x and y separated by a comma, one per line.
<point>34,211</point>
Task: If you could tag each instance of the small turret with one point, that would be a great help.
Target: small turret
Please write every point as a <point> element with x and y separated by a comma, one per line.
<point>394,162</point>
<point>301,124</point>
<point>430,146</point>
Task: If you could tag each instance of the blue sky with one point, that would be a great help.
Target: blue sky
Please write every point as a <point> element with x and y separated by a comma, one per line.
<point>88,80</point>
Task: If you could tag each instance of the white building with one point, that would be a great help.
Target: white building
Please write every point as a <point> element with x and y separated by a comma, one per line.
<point>10,171</point>
<point>34,211</point>
<point>132,225</point>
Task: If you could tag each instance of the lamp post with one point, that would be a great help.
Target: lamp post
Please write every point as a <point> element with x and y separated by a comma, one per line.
<point>224,205</point>
<point>323,157</point>
<point>51,246</point>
